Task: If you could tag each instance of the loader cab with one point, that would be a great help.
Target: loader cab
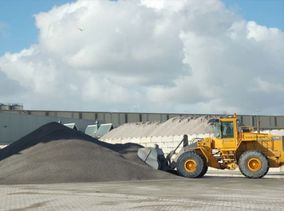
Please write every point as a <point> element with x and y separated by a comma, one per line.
<point>225,131</point>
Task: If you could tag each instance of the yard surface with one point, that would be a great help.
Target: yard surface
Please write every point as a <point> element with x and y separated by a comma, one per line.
<point>222,192</point>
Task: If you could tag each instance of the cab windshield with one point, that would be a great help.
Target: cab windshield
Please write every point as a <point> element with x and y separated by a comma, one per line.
<point>227,129</point>
<point>223,130</point>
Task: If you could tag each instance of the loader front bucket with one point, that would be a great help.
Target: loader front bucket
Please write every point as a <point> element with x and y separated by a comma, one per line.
<point>149,156</point>
<point>154,157</point>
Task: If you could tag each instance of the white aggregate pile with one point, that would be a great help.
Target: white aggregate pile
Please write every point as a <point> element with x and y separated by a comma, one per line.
<point>173,127</point>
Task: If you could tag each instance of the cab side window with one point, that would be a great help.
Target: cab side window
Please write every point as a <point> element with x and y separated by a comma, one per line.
<point>227,130</point>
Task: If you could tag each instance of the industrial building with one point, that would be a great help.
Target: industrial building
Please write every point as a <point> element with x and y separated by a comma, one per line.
<point>16,122</point>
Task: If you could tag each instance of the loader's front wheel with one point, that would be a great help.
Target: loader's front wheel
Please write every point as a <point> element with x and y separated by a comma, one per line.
<point>190,164</point>
<point>253,164</point>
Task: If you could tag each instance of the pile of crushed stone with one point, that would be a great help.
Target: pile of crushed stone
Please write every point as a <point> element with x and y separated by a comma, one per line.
<point>172,127</point>
<point>57,154</point>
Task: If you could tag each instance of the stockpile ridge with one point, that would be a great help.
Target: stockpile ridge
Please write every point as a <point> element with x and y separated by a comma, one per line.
<point>55,154</point>
<point>172,127</point>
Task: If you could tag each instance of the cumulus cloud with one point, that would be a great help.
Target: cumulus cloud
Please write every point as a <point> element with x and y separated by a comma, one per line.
<point>162,56</point>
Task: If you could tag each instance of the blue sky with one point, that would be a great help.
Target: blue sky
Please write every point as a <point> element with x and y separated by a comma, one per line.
<point>264,12</point>
<point>18,30</point>
<point>17,23</point>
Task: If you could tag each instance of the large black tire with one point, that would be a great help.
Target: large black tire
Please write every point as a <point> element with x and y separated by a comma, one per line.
<point>204,170</point>
<point>190,164</point>
<point>253,164</point>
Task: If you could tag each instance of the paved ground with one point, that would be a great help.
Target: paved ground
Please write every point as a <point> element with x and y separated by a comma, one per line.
<point>208,193</point>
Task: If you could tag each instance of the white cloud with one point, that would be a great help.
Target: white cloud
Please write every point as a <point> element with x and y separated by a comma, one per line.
<point>146,55</point>
<point>264,86</point>
<point>261,33</point>
<point>31,69</point>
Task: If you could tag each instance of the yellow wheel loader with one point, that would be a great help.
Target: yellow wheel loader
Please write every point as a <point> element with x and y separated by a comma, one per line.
<point>231,146</point>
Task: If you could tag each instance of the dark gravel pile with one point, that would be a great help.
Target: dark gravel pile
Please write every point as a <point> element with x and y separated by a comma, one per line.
<point>55,154</point>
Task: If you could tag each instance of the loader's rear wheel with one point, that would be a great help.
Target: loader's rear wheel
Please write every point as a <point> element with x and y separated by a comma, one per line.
<point>190,164</point>
<point>253,164</point>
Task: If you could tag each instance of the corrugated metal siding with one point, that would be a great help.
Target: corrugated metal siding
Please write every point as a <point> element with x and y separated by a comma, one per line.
<point>118,118</point>
<point>14,126</point>
<point>22,122</point>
